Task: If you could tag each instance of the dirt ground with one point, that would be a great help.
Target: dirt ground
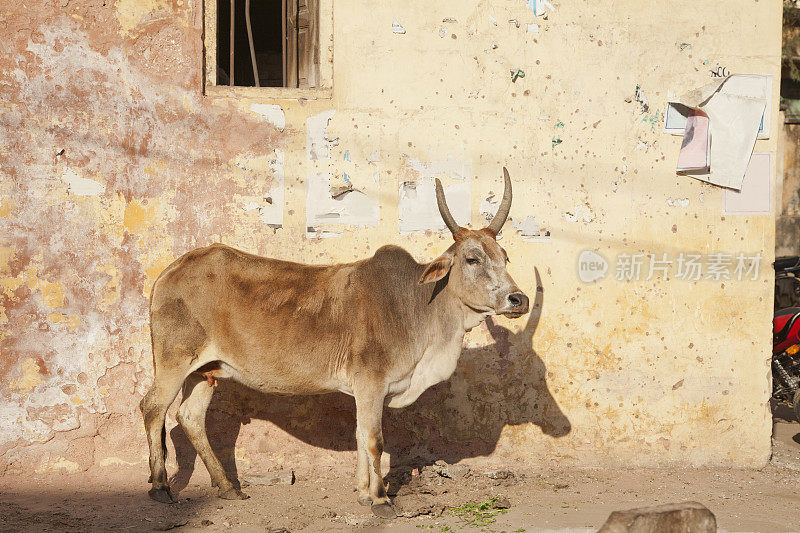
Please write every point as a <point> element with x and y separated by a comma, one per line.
<point>554,500</point>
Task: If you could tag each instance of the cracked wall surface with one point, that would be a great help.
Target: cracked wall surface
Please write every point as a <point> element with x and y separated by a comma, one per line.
<point>113,163</point>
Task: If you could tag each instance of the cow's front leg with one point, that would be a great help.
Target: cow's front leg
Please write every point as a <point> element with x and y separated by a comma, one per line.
<point>369,435</point>
<point>362,470</point>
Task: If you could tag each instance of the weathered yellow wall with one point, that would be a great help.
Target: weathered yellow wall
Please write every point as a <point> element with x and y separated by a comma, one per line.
<point>644,373</point>
<point>787,224</point>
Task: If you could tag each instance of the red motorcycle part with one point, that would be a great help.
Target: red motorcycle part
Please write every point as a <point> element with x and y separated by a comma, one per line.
<point>785,329</point>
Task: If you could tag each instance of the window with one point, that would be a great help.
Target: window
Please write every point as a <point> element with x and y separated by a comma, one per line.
<point>266,44</point>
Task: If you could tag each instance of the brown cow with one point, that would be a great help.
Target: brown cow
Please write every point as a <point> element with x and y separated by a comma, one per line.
<point>382,329</point>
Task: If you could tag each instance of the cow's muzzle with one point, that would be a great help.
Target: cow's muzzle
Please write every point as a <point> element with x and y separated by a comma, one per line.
<point>516,305</point>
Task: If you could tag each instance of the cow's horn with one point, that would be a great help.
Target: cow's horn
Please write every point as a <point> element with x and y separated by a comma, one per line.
<point>505,206</point>
<point>443,209</point>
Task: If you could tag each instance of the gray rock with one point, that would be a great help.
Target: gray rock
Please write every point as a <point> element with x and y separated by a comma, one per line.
<point>171,525</point>
<point>504,478</point>
<point>450,471</point>
<point>281,477</point>
<point>687,517</point>
<point>500,474</point>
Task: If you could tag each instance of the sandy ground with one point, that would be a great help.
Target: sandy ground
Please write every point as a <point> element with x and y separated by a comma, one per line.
<point>566,500</point>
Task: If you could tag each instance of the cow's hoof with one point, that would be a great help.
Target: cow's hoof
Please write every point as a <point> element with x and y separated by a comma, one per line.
<point>233,494</point>
<point>365,500</point>
<point>384,510</point>
<point>161,495</point>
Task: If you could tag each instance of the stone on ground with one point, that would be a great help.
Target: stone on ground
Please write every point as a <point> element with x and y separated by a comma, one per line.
<point>687,517</point>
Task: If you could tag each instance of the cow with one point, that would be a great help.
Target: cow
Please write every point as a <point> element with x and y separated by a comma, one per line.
<point>383,330</point>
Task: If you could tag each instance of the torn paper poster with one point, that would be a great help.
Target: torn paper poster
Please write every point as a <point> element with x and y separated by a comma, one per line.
<point>351,207</point>
<point>580,212</point>
<point>755,196</point>
<point>675,121</point>
<point>678,202</point>
<point>322,233</point>
<point>452,167</point>
<point>273,113</point>
<point>735,107</point>
<point>488,207</point>
<point>81,186</point>
<point>318,145</point>
<point>695,146</point>
<point>418,210</point>
<point>270,211</point>
<point>641,99</point>
<point>341,184</point>
<point>529,230</point>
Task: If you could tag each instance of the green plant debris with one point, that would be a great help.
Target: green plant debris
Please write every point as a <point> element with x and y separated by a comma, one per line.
<point>556,141</point>
<point>480,515</point>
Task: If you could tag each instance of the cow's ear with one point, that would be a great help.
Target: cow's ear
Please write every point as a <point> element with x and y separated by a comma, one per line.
<point>437,269</point>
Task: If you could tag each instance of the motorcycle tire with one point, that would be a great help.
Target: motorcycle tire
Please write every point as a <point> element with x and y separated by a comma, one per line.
<point>796,405</point>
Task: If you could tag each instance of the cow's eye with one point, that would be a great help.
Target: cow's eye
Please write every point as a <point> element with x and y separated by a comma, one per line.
<point>472,261</point>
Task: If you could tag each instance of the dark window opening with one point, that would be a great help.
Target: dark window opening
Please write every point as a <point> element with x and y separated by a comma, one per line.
<point>285,43</point>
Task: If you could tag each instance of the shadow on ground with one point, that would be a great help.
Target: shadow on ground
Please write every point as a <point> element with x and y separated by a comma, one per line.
<point>504,383</point>
<point>57,508</point>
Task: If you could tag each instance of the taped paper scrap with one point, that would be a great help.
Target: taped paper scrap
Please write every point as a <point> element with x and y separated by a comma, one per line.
<point>755,197</point>
<point>722,123</point>
<point>537,6</point>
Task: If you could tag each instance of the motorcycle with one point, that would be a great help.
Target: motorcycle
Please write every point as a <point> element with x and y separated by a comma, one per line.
<point>786,333</point>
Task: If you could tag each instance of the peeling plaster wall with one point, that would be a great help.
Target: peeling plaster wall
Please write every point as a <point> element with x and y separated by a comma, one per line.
<point>114,164</point>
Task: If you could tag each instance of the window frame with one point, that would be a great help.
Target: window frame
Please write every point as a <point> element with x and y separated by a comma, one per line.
<point>210,87</point>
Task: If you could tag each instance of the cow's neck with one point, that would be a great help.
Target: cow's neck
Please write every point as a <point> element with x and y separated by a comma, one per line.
<point>465,318</point>
<point>456,319</point>
<point>437,360</point>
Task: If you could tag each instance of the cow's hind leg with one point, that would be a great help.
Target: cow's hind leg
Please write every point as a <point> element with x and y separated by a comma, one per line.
<point>197,393</point>
<point>154,407</point>
<point>369,433</point>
